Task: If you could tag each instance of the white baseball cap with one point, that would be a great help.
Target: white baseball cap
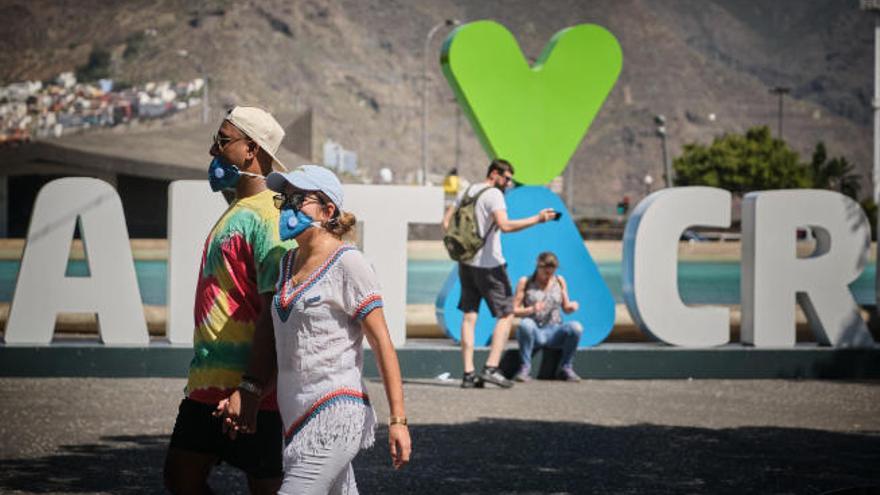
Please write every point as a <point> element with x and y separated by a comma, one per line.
<point>262,128</point>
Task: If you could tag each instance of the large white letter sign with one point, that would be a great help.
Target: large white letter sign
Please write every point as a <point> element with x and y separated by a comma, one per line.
<point>111,290</point>
<point>193,209</point>
<point>386,211</point>
<point>650,264</point>
<point>773,277</point>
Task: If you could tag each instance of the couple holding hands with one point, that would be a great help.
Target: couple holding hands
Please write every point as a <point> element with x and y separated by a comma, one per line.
<point>282,307</point>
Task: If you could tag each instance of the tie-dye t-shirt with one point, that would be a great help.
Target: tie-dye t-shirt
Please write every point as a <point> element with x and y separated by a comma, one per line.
<point>239,265</point>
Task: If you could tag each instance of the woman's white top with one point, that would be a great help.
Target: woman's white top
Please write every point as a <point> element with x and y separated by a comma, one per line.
<point>319,347</point>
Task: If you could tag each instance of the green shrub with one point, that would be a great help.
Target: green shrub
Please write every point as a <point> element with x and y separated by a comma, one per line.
<point>98,66</point>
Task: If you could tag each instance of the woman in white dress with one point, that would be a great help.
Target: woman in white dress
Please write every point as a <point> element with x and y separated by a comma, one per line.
<point>326,300</point>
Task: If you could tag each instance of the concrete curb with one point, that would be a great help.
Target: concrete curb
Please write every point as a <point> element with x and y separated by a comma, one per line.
<point>419,360</point>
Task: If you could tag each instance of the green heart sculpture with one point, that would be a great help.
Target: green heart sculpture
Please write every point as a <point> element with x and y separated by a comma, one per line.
<point>534,117</point>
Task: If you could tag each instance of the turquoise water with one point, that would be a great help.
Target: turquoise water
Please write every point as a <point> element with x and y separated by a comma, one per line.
<point>698,282</point>
<point>151,277</point>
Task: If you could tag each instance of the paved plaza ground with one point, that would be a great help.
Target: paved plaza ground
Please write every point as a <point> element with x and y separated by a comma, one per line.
<point>65,435</point>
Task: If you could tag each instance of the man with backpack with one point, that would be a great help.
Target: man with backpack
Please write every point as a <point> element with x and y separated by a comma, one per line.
<point>473,225</point>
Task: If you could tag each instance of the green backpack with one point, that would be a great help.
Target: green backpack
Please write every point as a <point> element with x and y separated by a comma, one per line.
<point>462,239</point>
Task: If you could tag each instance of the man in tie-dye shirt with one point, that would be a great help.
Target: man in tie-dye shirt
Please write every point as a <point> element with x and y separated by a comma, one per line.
<point>236,281</point>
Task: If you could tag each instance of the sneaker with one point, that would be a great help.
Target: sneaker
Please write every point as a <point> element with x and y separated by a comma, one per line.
<point>523,374</point>
<point>494,376</point>
<point>471,380</point>
<point>567,373</point>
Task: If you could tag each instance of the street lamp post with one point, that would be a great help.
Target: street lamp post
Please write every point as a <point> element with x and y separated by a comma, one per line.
<point>206,108</point>
<point>457,133</point>
<point>206,101</point>
<point>433,30</point>
<point>874,7</point>
<point>781,91</point>
<point>568,183</point>
<point>668,177</point>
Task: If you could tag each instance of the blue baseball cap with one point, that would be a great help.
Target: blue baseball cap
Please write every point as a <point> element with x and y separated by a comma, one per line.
<point>309,178</point>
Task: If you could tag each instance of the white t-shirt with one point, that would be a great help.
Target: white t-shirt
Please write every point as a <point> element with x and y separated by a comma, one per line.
<point>319,347</point>
<point>489,255</point>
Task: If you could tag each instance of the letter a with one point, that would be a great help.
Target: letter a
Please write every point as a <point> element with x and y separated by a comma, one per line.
<point>43,290</point>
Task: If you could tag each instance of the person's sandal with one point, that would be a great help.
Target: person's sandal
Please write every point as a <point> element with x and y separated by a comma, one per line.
<point>523,374</point>
<point>471,380</point>
<point>494,376</point>
<point>567,373</point>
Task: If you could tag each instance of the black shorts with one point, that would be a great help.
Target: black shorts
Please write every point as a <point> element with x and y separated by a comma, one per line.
<point>491,284</point>
<point>257,454</point>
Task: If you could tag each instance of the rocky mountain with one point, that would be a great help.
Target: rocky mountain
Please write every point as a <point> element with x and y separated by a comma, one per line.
<point>707,65</point>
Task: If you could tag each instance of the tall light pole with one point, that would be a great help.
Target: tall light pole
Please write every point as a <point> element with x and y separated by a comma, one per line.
<point>568,184</point>
<point>781,91</point>
<point>433,30</point>
<point>874,7</point>
<point>206,107</point>
<point>457,133</point>
<point>668,177</point>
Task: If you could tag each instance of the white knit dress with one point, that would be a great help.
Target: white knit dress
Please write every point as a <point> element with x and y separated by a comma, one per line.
<point>319,344</point>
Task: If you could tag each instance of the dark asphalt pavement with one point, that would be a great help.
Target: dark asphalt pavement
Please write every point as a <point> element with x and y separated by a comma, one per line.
<point>701,436</point>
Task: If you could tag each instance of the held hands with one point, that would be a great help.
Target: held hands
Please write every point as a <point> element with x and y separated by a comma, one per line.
<point>239,413</point>
<point>228,411</point>
<point>399,444</point>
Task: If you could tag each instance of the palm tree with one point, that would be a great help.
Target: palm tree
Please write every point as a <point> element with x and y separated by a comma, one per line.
<point>836,174</point>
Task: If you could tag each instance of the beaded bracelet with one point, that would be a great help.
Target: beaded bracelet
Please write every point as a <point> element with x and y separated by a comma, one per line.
<point>250,387</point>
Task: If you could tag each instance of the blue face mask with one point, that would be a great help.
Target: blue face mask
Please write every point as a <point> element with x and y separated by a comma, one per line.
<point>223,175</point>
<point>294,222</point>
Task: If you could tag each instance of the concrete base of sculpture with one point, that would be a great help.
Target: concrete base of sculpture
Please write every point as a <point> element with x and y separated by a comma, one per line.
<point>428,358</point>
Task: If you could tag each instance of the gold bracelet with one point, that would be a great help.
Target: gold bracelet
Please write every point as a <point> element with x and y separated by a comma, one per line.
<point>397,420</point>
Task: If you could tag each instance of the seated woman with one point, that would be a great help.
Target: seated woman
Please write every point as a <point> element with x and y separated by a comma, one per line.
<point>537,301</point>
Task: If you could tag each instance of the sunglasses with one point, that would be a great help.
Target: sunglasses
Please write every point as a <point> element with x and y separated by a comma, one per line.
<point>221,141</point>
<point>545,265</point>
<point>296,200</point>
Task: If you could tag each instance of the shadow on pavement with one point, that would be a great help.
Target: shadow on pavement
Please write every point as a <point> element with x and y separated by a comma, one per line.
<point>127,464</point>
<point>516,456</point>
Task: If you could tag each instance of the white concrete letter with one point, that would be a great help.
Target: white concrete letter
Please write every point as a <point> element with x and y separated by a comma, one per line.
<point>773,277</point>
<point>193,209</point>
<point>650,264</point>
<point>111,290</point>
<point>386,211</point>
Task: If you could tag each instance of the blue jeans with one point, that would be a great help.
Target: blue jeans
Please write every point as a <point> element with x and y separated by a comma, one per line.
<point>564,336</point>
